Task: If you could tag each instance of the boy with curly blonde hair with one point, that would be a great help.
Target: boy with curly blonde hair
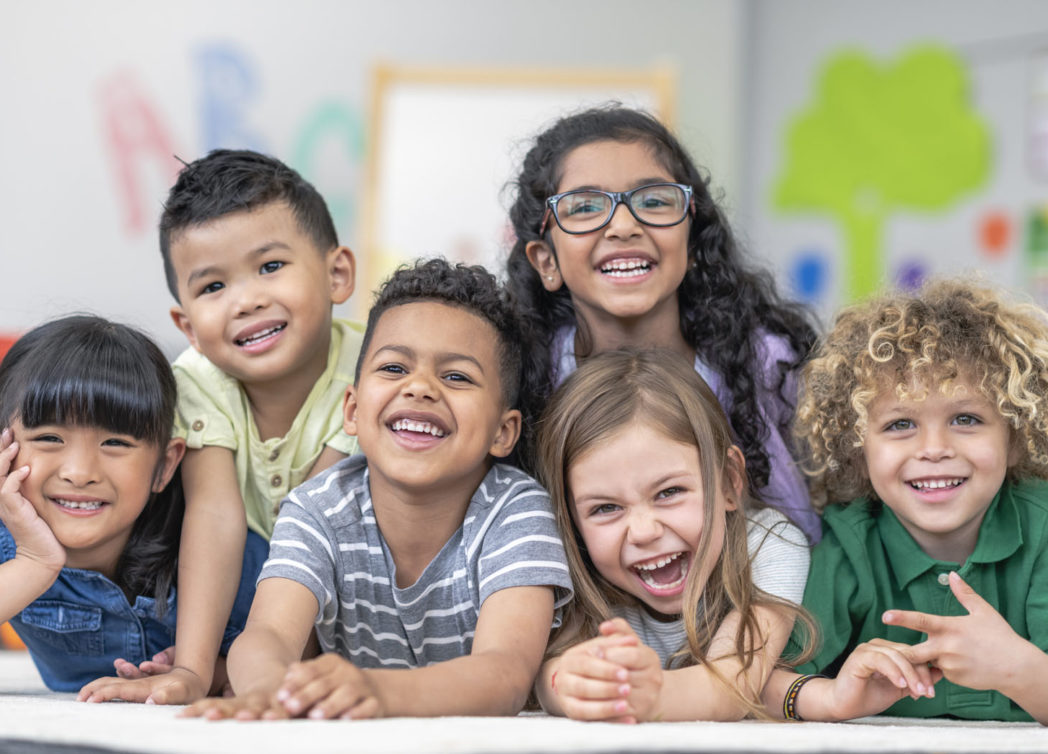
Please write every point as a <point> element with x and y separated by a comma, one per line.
<point>928,411</point>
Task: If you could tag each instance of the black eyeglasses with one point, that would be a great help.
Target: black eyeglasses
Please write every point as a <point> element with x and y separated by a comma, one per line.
<point>586,210</point>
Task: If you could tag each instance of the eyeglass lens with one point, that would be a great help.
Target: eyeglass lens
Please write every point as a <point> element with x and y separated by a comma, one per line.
<point>658,204</point>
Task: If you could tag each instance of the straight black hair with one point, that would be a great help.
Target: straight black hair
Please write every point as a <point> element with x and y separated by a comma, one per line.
<point>89,372</point>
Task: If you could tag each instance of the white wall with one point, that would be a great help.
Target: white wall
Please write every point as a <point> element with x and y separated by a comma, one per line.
<point>96,96</point>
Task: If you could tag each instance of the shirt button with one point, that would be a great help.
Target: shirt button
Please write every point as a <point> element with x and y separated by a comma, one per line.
<point>274,455</point>
<point>277,480</point>
<point>198,425</point>
<point>944,579</point>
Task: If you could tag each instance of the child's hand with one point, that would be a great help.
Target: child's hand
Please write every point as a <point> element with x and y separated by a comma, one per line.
<point>875,675</point>
<point>645,670</point>
<point>257,705</point>
<point>979,650</point>
<point>34,539</point>
<point>589,686</point>
<point>162,662</point>
<point>179,686</point>
<point>329,687</point>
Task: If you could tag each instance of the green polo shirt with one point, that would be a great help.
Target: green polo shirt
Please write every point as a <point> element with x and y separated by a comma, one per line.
<point>867,563</point>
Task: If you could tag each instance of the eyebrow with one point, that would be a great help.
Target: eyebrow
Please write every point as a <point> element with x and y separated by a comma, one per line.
<point>441,358</point>
<point>210,270</point>
<point>636,184</point>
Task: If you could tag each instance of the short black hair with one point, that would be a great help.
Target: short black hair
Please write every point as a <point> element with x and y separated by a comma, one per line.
<point>469,287</point>
<point>239,180</point>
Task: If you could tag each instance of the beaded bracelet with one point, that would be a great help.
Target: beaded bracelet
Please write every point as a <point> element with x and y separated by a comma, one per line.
<point>789,704</point>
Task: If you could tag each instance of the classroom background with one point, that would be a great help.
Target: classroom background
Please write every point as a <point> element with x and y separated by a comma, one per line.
<point>855,144</point>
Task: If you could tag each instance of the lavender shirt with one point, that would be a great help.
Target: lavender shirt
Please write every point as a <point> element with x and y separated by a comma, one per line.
<point>786,489</point>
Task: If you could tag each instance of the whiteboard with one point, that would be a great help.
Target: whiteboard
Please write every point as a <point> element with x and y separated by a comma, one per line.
<point>446,143</point>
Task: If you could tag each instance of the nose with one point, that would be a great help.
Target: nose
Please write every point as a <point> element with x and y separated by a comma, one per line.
<point>622,224</point>
<point>420,385</point>
<point>79,467</point>
<point>251,296</point>
<point>935,444</point>
<point>644,526</point>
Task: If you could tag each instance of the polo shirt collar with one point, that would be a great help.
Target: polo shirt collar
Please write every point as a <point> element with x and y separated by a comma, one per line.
<point>1000,536</point>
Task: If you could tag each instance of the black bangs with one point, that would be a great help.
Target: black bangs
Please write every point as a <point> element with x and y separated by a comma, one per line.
<point>84,371</point>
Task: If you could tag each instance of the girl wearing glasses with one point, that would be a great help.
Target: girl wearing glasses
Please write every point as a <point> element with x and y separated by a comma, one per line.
<point>662,270</point>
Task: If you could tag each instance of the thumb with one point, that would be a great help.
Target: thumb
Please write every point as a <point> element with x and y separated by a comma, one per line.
<point>967,596</point>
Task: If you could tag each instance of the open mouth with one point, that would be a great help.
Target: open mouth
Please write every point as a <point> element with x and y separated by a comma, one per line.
<point>626,268</point>
<point>420,427</point>
<point>259,336</point>
<point>922,485</point>
<point>78,505</point>
<point>665,573</point>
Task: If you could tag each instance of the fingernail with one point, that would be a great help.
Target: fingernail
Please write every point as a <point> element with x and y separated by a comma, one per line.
<point>316,714</point>
<point>620,706</point>
<point>149,700</point>
<point>622,675</point>
<point>624,689</point>
<point>887,617</point>
<point>920,689</point>
<point>283,694</point>
<point>292,705</point>
<point>931,692</point>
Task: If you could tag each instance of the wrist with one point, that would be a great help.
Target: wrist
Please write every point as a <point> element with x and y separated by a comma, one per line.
<point>798,706</point>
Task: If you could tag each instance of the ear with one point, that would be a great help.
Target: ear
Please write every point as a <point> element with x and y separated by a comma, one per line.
<point>181,320</point>
<point>173,453</point>
<point>734,483</point>
<point>540,255</point>
<point>342,270</point>
<point>507,434</point>
<point>349,411</point>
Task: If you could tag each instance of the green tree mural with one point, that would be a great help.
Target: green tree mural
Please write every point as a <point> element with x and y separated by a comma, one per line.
<point>877,139</point>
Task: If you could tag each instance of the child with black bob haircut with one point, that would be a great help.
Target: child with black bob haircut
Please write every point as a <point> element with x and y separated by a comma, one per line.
<point>252,259</point>
<point>429,571</point>
<point>90,504</point>
<point>929,412</point>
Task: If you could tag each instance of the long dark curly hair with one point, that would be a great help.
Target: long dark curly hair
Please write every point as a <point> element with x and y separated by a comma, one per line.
<point>726,306</point>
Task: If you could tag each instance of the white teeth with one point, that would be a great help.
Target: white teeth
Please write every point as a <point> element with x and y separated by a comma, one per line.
<point>85,506</point>
<point>413,426</point>
<point>658,563</point>
<point>261,335</point>
<point>935,484</point>
<point>622,268</point>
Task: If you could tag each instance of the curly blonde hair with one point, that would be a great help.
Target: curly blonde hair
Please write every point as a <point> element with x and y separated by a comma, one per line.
<point>909,342</point>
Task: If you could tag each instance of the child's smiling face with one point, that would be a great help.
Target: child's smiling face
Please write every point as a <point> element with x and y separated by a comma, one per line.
<point>627,269</point>
<point>428,408</point>
<point>637,500</point>
<point>938,463</point>
<point>89,485</point>
<point>256,293</point>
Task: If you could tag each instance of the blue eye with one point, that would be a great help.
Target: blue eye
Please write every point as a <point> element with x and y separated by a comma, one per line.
<point>966,420</point>
<point>603,509</point>
<point>269,267</point>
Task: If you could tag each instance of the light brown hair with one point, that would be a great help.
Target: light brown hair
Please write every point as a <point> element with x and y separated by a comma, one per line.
<point>607,393</point>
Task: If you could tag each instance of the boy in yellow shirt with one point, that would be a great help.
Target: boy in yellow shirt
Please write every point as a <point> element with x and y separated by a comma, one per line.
<point>252,259</point>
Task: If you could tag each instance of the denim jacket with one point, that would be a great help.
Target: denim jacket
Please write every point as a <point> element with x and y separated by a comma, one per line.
<point>84,621</point>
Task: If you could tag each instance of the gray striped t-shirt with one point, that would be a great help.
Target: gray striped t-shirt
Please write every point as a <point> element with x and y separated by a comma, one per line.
<point>327,539</point>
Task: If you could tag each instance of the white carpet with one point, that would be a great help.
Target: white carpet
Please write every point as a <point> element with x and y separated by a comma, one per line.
<point>28,712</point>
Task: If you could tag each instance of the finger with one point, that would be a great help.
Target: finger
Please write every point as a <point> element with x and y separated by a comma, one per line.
<point>923,622</point>
<point>616,626</point>
<point>165,656</point>
<point>154,668</point>
<point>127,670</point>
<point>634,658</point>
<point>588,688</point>
<point>337,703</point>
<point>967,596</point>
<point>172,692</point>
<point>307,695</point>
<point>127,691</point>
<point>597,668</point>
<point>924,653</point>
<point>13,481</point>
<point>368,709</point>
<point>584,709</point>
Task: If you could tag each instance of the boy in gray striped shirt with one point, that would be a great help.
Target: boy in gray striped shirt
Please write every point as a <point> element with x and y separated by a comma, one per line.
<point>429,572</point>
